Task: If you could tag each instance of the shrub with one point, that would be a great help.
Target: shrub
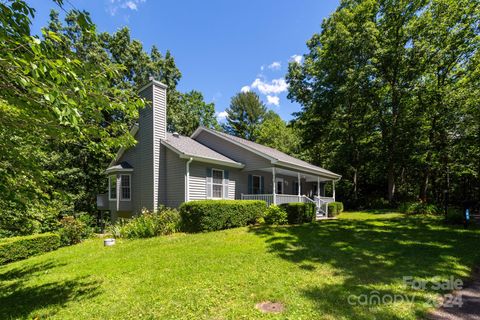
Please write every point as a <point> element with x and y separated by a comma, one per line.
<point>17,248</point>
<point>73,230</point>
<point>275,215</point>
<point>210,215</point>
<point>299,212</point>
<point>418,208</point>
<point>147,224</point>
<point>335,208</point>
<point>455,216</point>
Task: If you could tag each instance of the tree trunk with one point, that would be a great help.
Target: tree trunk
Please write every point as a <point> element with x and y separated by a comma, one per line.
<point>391,182</point>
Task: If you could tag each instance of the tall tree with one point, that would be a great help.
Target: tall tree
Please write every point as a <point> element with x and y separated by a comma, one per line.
<point>384,95</point>
<point>50,97</point>
<point>191,112</point>
<point>245,114</point>
<point>276,133</point>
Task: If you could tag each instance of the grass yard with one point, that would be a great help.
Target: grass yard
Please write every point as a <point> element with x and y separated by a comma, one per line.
<point>312,269</point>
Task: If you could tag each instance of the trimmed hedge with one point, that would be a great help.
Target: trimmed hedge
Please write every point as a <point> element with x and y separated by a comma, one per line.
<point>299,212</point>
<point>17,248</point>
<point>335,208</point>
<point>211,215</point>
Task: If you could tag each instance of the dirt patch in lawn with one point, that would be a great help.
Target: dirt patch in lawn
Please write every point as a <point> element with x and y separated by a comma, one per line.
<point>270,307</point>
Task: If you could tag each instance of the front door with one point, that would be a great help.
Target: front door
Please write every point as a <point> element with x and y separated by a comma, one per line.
<point>279,186</point>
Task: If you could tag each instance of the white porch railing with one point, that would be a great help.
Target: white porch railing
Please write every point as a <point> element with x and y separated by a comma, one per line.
<point>268,198</point>
<point>326,199</point>
<point>287,198</point>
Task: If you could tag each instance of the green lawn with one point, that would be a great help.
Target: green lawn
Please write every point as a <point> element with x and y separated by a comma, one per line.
<point>312,269</point>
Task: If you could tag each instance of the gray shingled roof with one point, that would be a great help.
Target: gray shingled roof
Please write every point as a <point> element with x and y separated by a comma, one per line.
<point>121,166</point>
<point>192,148</point>
<point>273,153</point>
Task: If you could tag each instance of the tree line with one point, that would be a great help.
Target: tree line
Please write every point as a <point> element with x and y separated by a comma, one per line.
<point>390,99</point>
<point>389,94</point>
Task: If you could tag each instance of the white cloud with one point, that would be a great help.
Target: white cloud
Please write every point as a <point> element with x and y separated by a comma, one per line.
<point>245,89</point>
<point>275,65</point>
<point>276,86</point>
<point>273,100</point>
<point>114,5</point>
<point>130,5</point>
<point>221,116</point>
<point>297,58</point>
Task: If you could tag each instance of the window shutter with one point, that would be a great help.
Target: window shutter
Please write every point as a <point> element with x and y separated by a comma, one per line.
<point>226,183</point>
<point>209,183</point>
<point>250,184</point>
<point>262,185</point>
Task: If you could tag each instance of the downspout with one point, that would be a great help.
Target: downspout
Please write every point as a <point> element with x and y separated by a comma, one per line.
<point>187,180</point>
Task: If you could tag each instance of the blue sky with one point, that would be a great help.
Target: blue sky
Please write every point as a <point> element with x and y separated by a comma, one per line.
<point>221,47</point>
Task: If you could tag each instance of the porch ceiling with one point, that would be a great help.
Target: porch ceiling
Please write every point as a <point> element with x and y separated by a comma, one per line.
<point>293,173</point>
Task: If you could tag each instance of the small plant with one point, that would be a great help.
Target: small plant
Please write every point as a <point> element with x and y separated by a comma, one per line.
<point>299,212</point>
<point>274,215</point>
<point>148,224</point>
<point>73,230</point>
<point>335,208</point>
<point>418,208</point>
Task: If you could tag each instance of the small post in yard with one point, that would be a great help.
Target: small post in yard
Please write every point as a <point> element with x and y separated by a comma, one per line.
<point>467,217</point>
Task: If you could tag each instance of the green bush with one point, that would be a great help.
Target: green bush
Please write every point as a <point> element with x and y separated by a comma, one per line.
<point>17,248</point>
<point>299,212</point>
<point>335,208</point>
<point>455,216</point>
<point>210,215</point>
<point>418,208</point>
<point>73,230</point>
<point>274,215</point>
<point>147,224</point>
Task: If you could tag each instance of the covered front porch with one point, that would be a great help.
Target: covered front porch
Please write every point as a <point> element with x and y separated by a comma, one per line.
<point>288,185</point>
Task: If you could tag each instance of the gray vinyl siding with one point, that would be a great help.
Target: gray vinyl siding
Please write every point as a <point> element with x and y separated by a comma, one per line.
<point>198,182</point>
<point>159,122</point>
<point>175,182</point>
<point>233,151</point>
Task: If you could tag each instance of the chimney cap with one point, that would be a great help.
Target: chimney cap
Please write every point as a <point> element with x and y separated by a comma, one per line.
<point>175,134</point>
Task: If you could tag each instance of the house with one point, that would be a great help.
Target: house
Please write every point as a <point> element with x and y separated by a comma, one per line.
<point>168,169</point>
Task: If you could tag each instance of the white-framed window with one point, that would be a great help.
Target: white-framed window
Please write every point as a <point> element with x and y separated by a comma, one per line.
<point>112,187</point>
<point>256,184</point>
<point>125,187</point>
<point>217,184</point>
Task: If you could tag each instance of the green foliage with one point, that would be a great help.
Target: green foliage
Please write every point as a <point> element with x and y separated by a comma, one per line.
<point>244,115</point>
<point>455,216</point>
<point>149,224</point>
<point>299,212</point>
<point>275,215</point>
<point>17,248</point>
<point>73,230</point>
<point>418,208</point>
<point>275,133</point>
<point>211,215</point>
<point>335,208</point>
<point>389,94</point>
<point>190,113</point>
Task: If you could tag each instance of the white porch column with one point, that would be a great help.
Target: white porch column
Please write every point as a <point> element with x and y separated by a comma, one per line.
<point>318,187</point>
<point>274,186</point>
<point>333,190</point>
<point>299,186</point>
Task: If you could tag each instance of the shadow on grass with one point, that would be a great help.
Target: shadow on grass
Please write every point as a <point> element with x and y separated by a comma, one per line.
<point>374,255</point>
<point>21,297</point>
